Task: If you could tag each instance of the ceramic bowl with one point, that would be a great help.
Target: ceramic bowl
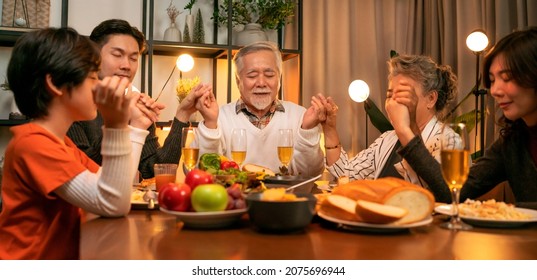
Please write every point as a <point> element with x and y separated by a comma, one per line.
<point>281,216</point>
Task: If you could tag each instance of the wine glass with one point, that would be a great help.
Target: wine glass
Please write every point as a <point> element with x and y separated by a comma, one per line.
<point>455,162</point>
<point>190,150</point>
<point>238,145</point>
<point>285,148</point>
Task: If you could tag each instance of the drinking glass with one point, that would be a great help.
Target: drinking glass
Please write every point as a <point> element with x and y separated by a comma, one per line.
<point>238,145</point>
<point>285,147</point>
<point>190,151</point>
<point>455,162</point>
<point>164,173</point>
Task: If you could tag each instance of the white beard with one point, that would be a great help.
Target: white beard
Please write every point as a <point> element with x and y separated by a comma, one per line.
<point>261,102</point>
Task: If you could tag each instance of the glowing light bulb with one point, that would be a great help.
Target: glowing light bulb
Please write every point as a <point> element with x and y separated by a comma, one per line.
<point>358,91</point>
<point>477,41</point>
<point>185,63</point>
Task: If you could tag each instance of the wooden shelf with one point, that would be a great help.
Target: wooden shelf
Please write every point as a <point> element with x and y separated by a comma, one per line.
<point>12,122</point>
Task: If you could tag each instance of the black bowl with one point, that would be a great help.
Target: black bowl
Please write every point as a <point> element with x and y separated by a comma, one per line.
<point>281,216</point>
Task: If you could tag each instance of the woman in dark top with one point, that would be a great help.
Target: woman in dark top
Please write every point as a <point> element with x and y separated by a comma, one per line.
<point>510,73</point>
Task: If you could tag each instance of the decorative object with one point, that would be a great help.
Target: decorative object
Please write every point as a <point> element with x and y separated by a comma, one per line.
<point>359,92</point>
<point>252,32</point>
<point>185,63</point>
<point>184,86</point>
<point>270,14</point>
<point>25,14</point>
<point>477,42</point>
<point>189,22</point>
<point>172,33</point>
<point>199,32</point>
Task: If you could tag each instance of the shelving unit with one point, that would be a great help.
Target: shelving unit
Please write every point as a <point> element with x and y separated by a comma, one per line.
<point>216,52</point>
<point>213,51</point>
<point>8,37</point>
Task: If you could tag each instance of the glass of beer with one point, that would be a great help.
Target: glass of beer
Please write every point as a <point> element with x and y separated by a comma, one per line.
<point>455,162</point>
<point>190,150</point>
<point>285,147</point>
<point>238,145</point>
<point>164,174</point>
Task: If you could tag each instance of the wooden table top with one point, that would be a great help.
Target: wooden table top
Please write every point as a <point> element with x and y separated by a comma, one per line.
<point>152,234</point>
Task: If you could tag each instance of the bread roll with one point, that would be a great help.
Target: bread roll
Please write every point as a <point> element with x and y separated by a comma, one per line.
<point>377,213</point>
<point>415,200</point>
<point>340,207</point>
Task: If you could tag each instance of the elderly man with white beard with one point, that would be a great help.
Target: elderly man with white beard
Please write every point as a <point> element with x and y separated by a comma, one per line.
<point>258,75</point>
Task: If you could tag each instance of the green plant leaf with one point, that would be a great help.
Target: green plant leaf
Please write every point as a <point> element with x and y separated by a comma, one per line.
<point>377,117</point>
<point>468,118</point>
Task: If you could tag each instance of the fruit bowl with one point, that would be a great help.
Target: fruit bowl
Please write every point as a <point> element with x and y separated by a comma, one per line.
<point>281,216</point>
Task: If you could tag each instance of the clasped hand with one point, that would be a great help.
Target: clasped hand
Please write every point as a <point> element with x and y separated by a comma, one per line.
<point>323,110</point>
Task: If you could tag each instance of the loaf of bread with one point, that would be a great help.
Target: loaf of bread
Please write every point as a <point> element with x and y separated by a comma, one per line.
<point>389,200</point>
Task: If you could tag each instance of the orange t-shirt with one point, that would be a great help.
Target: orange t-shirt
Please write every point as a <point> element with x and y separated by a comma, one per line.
<point>34,222</point>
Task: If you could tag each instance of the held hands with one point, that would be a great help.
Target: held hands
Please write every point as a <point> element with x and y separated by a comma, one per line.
<point>401,107</point>
<point>208,108</point>
<point>322,111</point>
<point>112,101</point>
<point>187,107</point>
<point>144,111</point>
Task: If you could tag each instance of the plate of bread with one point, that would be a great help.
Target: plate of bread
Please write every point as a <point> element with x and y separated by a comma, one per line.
<point>383,205</point>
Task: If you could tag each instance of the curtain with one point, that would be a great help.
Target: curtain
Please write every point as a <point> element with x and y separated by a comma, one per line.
<point>345,40</point>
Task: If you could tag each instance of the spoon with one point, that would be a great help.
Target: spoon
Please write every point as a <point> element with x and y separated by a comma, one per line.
<point>312,179</point>
<point>150,196</point>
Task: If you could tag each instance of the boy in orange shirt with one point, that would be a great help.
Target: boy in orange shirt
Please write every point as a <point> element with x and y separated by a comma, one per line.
<point>47,179</point>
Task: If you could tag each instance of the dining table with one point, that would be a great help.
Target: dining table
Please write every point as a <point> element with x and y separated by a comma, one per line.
<point>155,235</point>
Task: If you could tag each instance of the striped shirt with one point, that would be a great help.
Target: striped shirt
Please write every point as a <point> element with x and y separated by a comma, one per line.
<point>370,162</point>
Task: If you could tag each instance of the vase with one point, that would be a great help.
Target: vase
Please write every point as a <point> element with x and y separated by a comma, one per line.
<point>252,33</point>
<point>172,33</point>
<point>189,27</point>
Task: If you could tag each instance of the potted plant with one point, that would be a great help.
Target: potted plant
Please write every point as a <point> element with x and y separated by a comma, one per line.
<point>265,14</point>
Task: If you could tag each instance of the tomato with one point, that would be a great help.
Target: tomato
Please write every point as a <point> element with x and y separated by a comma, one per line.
<point>209,197</point>
<point>198,177</point>
<point>225,165</point>
<point>175,197</point>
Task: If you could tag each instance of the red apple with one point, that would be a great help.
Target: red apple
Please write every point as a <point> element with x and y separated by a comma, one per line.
<point>198,177</point>
<point>175,197</point>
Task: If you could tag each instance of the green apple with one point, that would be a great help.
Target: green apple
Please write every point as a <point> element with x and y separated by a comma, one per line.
<point>209,197</point>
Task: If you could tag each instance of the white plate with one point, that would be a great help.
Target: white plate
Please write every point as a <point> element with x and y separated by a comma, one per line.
<point>485,222</point>
<point>375,227</point>
<point>137,201</point>
<point>208,220</point>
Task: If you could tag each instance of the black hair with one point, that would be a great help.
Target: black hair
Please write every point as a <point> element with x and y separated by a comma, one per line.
<point>519,51</point>
<point>62,53</point>
<point>102,32</point>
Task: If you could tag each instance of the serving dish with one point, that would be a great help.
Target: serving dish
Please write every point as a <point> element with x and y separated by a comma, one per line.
<point>294,184</point>
<point>383,228</point>
<point>208,220</point>
<point>281,216</point>
<point>487,222</point>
